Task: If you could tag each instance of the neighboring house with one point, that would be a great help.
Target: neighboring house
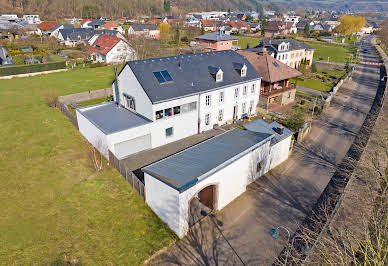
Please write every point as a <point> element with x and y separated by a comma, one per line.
<point>209,24</point>
<point>110,49</point>
<point>279,28</point>
<point>167,99</point>
<point>275,76</point>
<point>367,29</point>
<point>210,175</point>
<point>95,24</point>
<point>85,23</point>
<point>215,41</point>
<point>99,33</point>
<point>32,19</point>
<point>76,36</point>
<point>54,31</point>
<point>237,26</point>
<point>255,27</point>
<point>112,26</point>
<point>318,27</point>
<point>5,58</point>
<point>288,51</point>
<point>144,30</point>
<point>293,19</point>
<point>45,27</point>
<point>193,21</point>
<point>302,24</point>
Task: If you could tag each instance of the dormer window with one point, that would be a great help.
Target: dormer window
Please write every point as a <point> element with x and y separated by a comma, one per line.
<point>244,71</point>
<point>219,75</point>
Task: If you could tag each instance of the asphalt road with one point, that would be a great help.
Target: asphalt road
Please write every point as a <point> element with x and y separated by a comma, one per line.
<point>238,234</point>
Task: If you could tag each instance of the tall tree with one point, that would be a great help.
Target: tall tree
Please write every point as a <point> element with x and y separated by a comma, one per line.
<point>307,30</point>
<point>167,6</point>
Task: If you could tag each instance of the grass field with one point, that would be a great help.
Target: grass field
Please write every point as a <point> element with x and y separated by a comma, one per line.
<point>244,40</point>
<point>54,207</point>
<point>332,77</point>
<point>348,39</point>
<point>337,53</point>
<point>90,102</point>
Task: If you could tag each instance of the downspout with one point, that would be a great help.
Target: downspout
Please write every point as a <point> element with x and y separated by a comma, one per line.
<point>199,113</point>
<point>117,88</point>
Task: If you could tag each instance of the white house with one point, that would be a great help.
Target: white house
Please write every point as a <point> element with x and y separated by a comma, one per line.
<point>166,99</point>
<point>32,19</point>
<point>110,49</point>
<point>212,174</point>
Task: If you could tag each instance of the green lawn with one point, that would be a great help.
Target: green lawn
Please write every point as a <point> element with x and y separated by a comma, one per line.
<point>244,40</point>
<point>90,102</point>
<point>315,84</point>
<point>348,39</point>
<point>332,77</point>
<point>337,53</point>
<point>54,206</point>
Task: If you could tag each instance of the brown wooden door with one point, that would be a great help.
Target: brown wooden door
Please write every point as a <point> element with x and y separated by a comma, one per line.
<point>206,196</point>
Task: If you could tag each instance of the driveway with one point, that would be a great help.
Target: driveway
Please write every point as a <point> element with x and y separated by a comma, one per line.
<point>238,234</point>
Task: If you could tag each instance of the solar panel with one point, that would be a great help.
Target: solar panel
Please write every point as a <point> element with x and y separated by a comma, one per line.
<point>159,77</point>
<point>166,75</point>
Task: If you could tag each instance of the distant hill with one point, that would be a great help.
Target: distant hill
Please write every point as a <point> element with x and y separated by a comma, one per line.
<point>55,9</point>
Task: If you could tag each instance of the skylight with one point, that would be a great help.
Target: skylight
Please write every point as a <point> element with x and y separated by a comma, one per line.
<point>276,64</point>
<point>163,76</point>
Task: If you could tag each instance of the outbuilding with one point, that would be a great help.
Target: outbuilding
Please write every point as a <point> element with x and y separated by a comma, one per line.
<point>210,175</point>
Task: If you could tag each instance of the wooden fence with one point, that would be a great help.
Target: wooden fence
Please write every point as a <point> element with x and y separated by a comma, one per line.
<point>65,110</point>
<point>128,175</point>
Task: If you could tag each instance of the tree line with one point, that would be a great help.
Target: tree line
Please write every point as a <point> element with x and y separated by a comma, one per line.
<point>55,9</point>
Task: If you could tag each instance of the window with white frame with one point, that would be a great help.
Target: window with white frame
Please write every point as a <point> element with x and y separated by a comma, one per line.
<point>207,119</point>
<point>208,100</point>
<point>245,89</point>
<point>244,107</point>
<point>220,115</point>
<point>251,107</point>
<point>221,98</point>
<point>219,75</point>
<point>169,132</point>
<point>244,71</point>
<point>236,91</point>
<point>253,88</point>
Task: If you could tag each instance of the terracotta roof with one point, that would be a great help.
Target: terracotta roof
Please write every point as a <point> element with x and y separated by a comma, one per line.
<point>270,69</point>
<point>275,26</point>
<point>86,20</point>
<point>239,24</point>
<point>109,25</point>
<point>103,44</point>
<point>208,22</point>
<point>47,25</point>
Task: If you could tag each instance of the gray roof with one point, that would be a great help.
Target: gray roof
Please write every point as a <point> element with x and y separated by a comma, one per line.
<point>110,118</point>
<point>216,36</point>
<point>185,169</point>
<point>107,32</point>
<point>5,58</point>
<point>97,22</point>
<point>190,73</point>
<point>65,26</point>
<point>77,33</point>
<point>261,126</point>
<point>141,27</point>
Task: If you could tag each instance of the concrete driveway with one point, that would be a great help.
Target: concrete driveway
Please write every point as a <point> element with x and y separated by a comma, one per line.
<point>238,235</point>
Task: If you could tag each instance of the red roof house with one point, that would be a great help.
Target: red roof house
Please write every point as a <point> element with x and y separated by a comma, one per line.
<point>47,25</point>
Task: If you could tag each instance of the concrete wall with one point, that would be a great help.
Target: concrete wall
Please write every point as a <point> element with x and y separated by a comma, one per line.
<point>279,153</point>
<point>85,96</point>
<point>94,135</point>
<point>164,201</point>
<point>129,84</point>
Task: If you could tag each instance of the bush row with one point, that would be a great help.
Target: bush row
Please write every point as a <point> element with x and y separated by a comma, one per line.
<point>14,70</point>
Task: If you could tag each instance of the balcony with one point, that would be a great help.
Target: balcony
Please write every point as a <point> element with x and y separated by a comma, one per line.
<point>274,91</point>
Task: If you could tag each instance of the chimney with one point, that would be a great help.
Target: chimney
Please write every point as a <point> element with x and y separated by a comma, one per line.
<point>117,88</point>
<point>264,50</point>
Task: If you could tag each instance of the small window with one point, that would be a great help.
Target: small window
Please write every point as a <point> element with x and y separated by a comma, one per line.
<point>259,166</point>
<point>208,100</point>
<point>169,131</point>
<point>219,76</point>
<point>221,99</point>
<point>245,90</point>
<point>236,93</point>
<point>251,107</point>
<point>177,110</point>
<point>159,114</point>
<point>244,107</point>
<point>253,88</point>
<point>220,115</point>
<point>207,119</point>
<point>168,112</point>
<point>192,106</point>
<point>243,72</point>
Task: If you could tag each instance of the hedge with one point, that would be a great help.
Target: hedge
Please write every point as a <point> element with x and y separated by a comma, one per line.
<point>14,70</point>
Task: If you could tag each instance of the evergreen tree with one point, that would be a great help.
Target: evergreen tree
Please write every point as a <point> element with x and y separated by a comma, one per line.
<point>167,6</point>
<point>307,30</point>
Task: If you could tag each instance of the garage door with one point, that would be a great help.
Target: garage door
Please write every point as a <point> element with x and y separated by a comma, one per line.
<point>132,146</point>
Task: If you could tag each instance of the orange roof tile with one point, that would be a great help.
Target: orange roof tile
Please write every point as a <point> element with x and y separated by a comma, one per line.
<point>47,25</point>
<point>103,44</point>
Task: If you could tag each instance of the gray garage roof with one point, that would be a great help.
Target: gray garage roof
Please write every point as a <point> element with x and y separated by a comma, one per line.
<point>216,36</point>
<point>185,169</point>
<point>190,73</point>
<point>261,126</point>
<point>110,119</point>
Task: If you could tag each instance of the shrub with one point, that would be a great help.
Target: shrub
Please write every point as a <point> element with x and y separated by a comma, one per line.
<point>314,67</point>
<point>14,70</point>
<point>50,97</point>
<point>303,101</point>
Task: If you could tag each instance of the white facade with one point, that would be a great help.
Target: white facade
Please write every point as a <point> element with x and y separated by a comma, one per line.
<point>32,19</point>
<point>121,52</point>
<point>231,181</point>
